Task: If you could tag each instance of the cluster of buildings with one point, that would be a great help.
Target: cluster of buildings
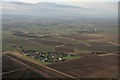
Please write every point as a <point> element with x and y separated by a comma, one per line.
<point>46,57</point>
<point>92,30</point>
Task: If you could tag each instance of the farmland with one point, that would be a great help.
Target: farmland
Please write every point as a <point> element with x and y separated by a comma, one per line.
<point>16,69</point>
<point>52,40</point>
<point>90,67</point>
<point>56,38</point>
<point>47,40</point>
<point>29,68</point>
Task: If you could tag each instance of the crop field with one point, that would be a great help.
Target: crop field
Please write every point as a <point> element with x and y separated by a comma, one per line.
<point>80,42</point>
<point>90,67</point>
<point>62,36</point>
<point>60,40</point>
<point>49,36</point>
<point>85,36</point>
<point>64,49</point>
<point>9,41</point>
<point>48,42</point>
<point>10,66</point>
<point>14,69</point>
<point>94,46</point>
<point>103,46</point>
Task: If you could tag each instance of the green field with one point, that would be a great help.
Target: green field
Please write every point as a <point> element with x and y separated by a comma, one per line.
<point>33,35</point>
<point>9,40</point>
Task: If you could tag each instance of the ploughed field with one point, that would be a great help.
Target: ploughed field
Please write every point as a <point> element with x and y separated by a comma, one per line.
<point>90,67</point>
<point>13,69</point>
<point>65,49</point>
<point>48,42</point>
<point>45,34</point>
<point>69,43</point>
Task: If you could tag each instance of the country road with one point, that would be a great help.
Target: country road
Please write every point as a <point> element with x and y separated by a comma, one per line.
<point>27,67</point>
<point>39,67</point>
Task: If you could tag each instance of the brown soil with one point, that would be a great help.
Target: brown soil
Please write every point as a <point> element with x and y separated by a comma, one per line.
<point>47,42</point>
<point>90,67</point>
<point>64,49</point>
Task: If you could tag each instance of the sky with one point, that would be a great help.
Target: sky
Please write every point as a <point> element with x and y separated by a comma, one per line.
<point>107,8</point>
<point>36,1</point>
<point>79,3</point>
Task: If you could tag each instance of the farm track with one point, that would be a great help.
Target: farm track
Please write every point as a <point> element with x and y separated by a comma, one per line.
<point>114,43</point>
<point>42,68</point>
<point>28,67</point>
<point>12,68</point>
<point>14,71</point>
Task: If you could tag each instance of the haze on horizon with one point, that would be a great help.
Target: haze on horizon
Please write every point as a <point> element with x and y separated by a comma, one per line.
<point>71,1</point>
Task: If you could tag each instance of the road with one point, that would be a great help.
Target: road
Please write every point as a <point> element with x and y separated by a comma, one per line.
<point>39,67</point>
<point>12,68</point>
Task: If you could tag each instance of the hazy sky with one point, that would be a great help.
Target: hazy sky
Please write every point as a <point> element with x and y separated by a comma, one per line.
<point>36,1</point>
<point>80,3</point>
<point>107,7</point>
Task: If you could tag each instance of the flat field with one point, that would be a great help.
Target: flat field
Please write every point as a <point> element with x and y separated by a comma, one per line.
<point>90,67</point>
<point>14,69</point>
<point>81,43</point>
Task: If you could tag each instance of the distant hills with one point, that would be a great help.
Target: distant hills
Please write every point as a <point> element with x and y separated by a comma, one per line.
<point>55,10</point>
<point>43,7</point>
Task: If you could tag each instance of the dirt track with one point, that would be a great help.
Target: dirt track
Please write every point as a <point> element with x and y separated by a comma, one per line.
<point>12,68</point>
<point>89,67</point>
<point>51,72</point>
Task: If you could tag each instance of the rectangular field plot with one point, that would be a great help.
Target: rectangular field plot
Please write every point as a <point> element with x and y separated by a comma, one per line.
<point>27,73</point>
<point>13,69</point>
<point>90,67</point>
<point>10,65</point>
